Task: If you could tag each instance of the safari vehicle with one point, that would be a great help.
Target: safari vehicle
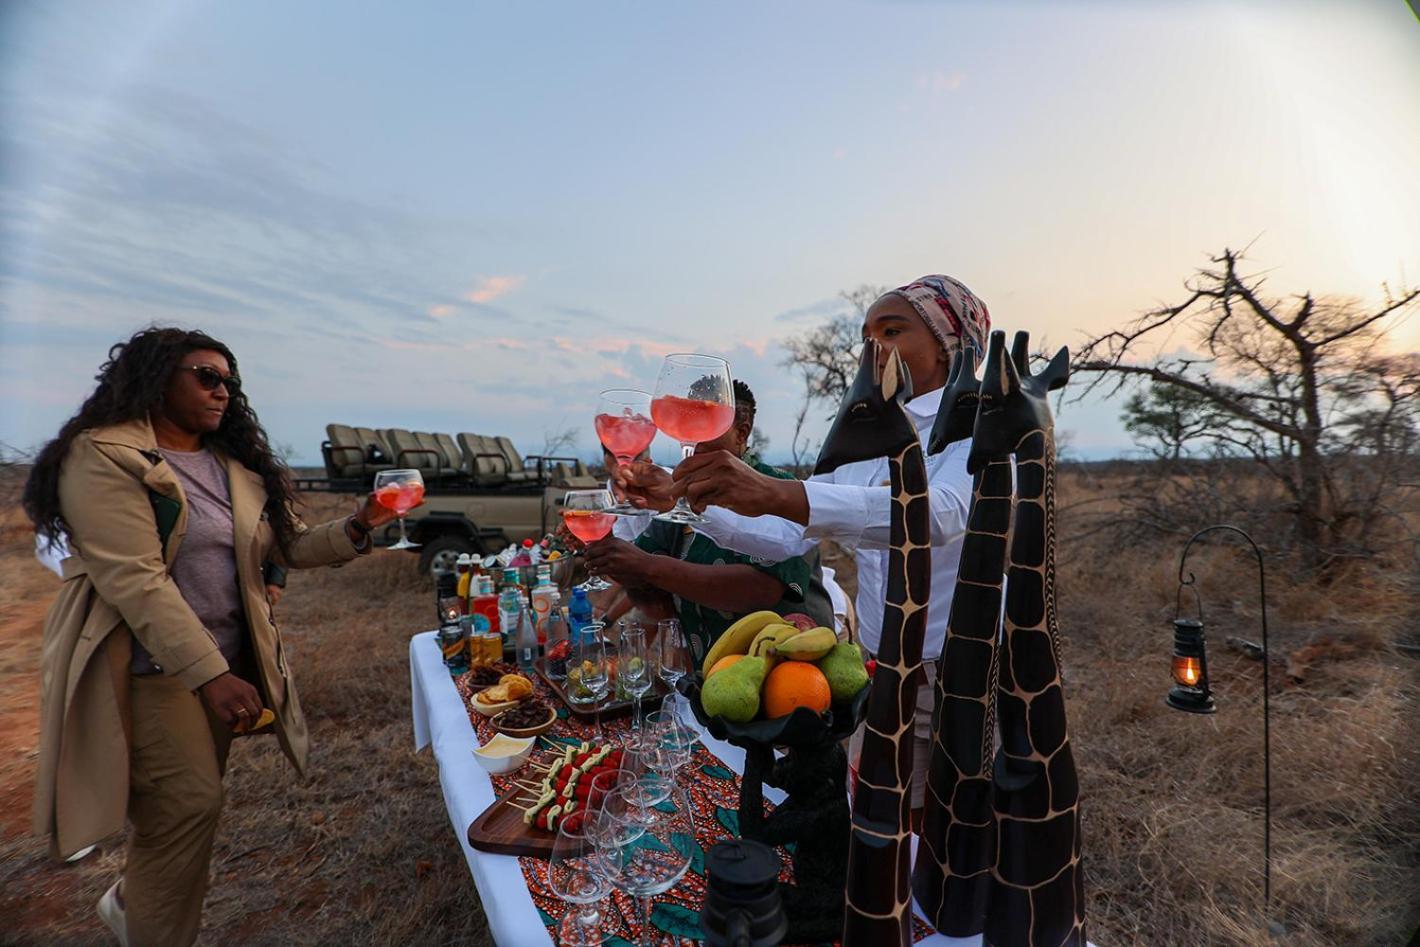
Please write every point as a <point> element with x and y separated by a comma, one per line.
<point>480,494</point>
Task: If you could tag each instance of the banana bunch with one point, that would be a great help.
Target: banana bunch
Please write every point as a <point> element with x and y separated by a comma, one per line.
<point>767,635</point>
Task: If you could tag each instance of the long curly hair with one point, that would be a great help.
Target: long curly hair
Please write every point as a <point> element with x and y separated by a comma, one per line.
<point>131,384</point>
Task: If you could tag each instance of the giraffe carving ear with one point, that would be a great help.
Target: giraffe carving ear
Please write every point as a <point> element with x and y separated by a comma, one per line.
<point>1011,379</point>
<point>897,380</point>
<point>1020,352</point>
<point>1057,373</point>
<point>993,378</point>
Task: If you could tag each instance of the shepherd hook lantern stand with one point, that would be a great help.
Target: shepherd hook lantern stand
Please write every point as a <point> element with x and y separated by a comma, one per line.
<point>1191,692</point>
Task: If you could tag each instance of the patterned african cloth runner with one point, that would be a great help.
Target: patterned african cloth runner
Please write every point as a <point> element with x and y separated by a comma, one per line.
<point>714,791</point>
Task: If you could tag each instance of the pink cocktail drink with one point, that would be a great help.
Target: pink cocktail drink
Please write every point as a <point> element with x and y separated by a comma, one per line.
<point>690,420</point>
<point>400,497</point>
<point>588,525</point>
<point>625,435</point>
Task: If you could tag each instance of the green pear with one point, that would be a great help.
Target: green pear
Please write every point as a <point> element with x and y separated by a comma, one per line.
<point>734,692</point>
<point>843,666</point>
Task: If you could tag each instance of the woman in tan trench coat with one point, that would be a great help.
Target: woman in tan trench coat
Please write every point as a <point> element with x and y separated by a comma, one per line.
<point>152,661</point>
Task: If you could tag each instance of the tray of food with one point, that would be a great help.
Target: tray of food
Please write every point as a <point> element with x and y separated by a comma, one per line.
<point>570,692</point>
<point>524,820</point>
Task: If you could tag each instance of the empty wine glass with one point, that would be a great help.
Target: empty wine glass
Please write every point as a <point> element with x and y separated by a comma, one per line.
<point>625,428</point>
<point>575,875</point>
<point>641,770</point>
<point>695,402</point>
<point>633,668</point>
<point>675,661</point>
<point>644,850</point>
<point>586,516</point>
<point>589,661</point>
<point>400,491</point>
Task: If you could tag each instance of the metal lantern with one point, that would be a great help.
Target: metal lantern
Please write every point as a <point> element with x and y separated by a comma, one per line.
<point>1190,668</point>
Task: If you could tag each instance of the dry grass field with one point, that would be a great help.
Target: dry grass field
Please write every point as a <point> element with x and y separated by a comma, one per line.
<point>362,852</point>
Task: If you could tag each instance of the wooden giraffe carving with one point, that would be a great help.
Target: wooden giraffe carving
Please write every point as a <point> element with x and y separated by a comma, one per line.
<point>952,877</point>
<point>871,423</point>
<point>1038,895</point>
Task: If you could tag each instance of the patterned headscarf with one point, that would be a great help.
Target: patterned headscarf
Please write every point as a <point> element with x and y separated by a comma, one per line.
<point>951,311</point>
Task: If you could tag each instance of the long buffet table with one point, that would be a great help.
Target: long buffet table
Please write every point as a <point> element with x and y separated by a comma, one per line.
<point>441,721</point>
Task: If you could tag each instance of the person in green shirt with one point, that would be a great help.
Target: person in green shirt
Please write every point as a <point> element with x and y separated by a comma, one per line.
<point>672,570</point>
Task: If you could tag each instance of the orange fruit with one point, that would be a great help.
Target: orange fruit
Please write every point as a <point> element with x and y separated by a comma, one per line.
<point>794,684</point>
<point>724,662</point>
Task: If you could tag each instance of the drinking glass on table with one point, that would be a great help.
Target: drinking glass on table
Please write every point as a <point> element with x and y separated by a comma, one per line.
<point>694,402</point>
<point>586,516</point>
<point>589,661</point>
<point>675,662</point>
<point>575,876</point>
<point>644,850</point>
<point>641,771</point>
<point>625,428</point>
<point>400,491</point>
<point>633,668</point>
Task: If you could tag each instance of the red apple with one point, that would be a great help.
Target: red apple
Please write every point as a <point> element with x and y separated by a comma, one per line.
<point>800,621</point>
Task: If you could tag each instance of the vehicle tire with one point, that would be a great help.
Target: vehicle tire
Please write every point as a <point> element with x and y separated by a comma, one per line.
<point>440,553</point>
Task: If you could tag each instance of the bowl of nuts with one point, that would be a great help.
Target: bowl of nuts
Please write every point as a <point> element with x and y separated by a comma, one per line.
<point>528,719</point>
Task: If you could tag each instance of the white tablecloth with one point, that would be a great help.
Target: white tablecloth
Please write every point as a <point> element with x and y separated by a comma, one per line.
<point>441,721</point>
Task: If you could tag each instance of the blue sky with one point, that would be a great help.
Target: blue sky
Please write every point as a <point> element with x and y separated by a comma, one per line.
<point>459,216</point>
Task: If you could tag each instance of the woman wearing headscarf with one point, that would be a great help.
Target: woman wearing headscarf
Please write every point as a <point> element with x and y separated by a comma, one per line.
<point>161,645</point>
<point>927,321</point>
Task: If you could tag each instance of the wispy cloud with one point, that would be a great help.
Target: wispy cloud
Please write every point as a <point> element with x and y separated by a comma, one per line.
<point>492,287</point>
<point>937,82</point>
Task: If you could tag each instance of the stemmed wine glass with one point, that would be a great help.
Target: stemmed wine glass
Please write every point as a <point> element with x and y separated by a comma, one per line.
<point>575,876</point>
<point>671,743</point>
<point>634,669</point>
<point>586,516</point>
<point>589,660</point>
<point>400,491</point>
<point>645,849</point>
<point>625,428</point>
<point>695,402</point>
<point>675,660</point>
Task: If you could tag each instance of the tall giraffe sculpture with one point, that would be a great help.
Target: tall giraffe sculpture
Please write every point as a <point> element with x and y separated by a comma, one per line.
<point>1038,895</point>
<point>952,875</point>
<point>871,423</point>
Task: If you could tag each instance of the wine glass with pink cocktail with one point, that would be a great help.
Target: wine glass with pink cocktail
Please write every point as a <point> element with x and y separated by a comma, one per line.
<point>625,428</point>
<point>695,402</point>
<point>400,491</point>
<point>585,514</point>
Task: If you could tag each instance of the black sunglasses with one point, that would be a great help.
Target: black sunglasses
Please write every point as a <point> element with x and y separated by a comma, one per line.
<point>209,378</point>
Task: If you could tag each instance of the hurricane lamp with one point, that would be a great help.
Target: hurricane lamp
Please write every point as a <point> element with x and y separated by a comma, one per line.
<point>1190,669</point>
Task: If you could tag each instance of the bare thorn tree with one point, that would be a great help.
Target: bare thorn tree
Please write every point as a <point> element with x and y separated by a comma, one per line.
<point>1301,388</point>
<point>827,358</point>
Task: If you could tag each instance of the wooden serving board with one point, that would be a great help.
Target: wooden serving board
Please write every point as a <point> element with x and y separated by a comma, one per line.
<point>502,831</point>
<point>607,710</point>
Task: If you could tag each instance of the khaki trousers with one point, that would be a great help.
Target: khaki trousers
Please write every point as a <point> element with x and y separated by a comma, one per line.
<point>178,756</point>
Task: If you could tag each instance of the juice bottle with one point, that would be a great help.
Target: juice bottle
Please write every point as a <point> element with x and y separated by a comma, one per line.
<point>544,597</point>
<point>463,568</point>
<point>485,607</point>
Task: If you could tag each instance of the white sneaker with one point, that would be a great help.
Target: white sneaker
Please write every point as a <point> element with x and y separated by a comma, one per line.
<point>112,914</point>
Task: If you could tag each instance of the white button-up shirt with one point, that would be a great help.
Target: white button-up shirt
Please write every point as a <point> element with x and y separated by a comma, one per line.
<point>853,505</point>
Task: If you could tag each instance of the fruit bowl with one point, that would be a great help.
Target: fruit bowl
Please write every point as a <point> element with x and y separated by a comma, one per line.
<point>802,728</point>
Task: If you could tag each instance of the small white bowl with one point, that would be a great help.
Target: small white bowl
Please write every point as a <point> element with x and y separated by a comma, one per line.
<point>503,753</point>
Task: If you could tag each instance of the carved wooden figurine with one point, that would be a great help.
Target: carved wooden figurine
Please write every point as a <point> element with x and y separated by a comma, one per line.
<point>952,875</point>
<point>871,423</point>
<point>1038,895</point>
